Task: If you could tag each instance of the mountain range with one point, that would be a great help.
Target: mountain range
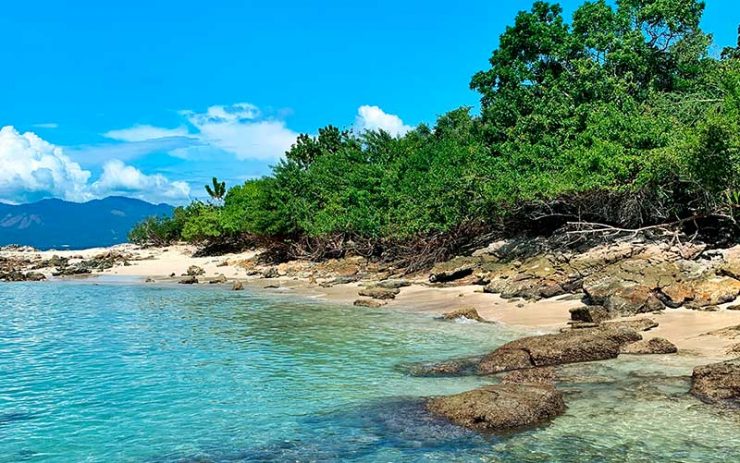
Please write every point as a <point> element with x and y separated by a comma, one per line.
<point>59,224</point>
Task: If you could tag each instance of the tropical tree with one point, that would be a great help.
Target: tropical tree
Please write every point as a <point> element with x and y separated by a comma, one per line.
<point>217,190</point>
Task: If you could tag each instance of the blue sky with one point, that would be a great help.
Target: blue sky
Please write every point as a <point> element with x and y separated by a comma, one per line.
<point>151,98</point>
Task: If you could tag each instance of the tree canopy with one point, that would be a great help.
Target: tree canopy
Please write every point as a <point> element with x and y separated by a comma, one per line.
<point>620,114</point>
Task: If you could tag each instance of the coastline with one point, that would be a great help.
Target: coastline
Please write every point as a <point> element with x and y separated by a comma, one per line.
<point>694,332</point>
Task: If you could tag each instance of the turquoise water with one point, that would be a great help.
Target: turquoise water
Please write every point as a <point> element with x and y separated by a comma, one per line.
<point>133,373</point>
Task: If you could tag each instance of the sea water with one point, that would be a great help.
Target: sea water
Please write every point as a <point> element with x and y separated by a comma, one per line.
<point>123,372</point>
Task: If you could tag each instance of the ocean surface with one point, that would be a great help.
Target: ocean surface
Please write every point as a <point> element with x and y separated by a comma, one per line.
<point>122,372</point>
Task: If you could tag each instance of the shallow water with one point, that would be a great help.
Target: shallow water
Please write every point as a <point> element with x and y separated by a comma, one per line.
<point>124,372</point>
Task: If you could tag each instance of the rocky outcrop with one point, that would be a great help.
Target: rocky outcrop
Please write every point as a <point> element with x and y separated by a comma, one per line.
<point>465,313</point>
<point>639,324</point>
<point>237,286</point>
<point>375,292</point>
<point>545,375</point>
<point>452,270</point>
<point>571,346</point>
<point>650,346</point>
<point>500,407</point>
<point>189,280</point>
<point>393,284</point>
<point>370,303</point>
<point>718,383</point>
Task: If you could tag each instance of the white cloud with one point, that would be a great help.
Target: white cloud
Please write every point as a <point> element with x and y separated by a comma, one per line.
<point>32,169</point>
<point>240,130</point>
<point>118,178</point>
<point>145,132</point>
<point>374,118</point>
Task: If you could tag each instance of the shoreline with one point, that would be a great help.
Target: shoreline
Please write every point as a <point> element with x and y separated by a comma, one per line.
<point>690,330</point>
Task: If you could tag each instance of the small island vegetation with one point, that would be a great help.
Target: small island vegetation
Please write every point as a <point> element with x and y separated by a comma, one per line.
<point>620,120</point>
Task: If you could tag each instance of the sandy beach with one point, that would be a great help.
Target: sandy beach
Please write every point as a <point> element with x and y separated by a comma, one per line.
<point>697,334</point>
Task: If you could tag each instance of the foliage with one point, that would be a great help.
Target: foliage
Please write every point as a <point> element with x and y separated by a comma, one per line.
<point>217,190</point>
<point>620,116</point>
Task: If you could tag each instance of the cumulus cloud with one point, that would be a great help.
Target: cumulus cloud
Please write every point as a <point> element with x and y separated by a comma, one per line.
<point>374,118</point>
<point>121,179</point>
<point>241,130</point>
<point>145,132</point>
<point>32,169</point>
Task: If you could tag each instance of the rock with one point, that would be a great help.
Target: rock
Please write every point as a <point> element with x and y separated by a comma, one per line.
<point>718,383</point>
<point>340,281</point>
<point>556,349</point>
<point>734,349</point>
<point>734,307</point>
<point>500,407</point>
<point>640,324</point>
<point>35,276</point>
<point>620,296</point>
<point>393,284</point>
<point>220,279</point>
<point>149,280</point>
<point>273,286</point>
<point>195,271</point>
<point>188,280</point>
<point>467,313</point>
<point>172,275</point>
<point>379,293</point>
<point>449,368</point>
<point>545,375</point>
<point>371,303</point>
<point>716,291</point>
<point>571,346</point>
<point>589,314</point>
<point>237,286</point>
<point>271,272</point>
<point>650,346</point>
<point>452,270</point>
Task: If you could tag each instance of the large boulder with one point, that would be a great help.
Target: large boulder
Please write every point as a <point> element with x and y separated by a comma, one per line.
<point>573,346</point>
<point>718,383</point>
<point>650,346</point>
<point>500,407</point>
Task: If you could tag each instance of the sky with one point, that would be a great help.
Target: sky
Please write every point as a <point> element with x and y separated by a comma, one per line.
<point>150,99</point>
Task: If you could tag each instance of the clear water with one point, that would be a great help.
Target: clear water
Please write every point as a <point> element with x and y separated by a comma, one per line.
<point>138,373</point>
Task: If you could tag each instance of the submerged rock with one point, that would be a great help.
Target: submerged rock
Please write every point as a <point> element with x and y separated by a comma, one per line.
<point>371,303</point>
<point>544,375</point>
<point>467,313</point>
<point>500,407</point>
<point>718,383</point>
<point>650,346</point>
<point>237,286</point>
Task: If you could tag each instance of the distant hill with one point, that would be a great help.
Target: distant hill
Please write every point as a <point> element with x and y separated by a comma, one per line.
<point>58,224</point>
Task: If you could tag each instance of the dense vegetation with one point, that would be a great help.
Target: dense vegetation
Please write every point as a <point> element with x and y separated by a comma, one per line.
<point>621,117</point>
